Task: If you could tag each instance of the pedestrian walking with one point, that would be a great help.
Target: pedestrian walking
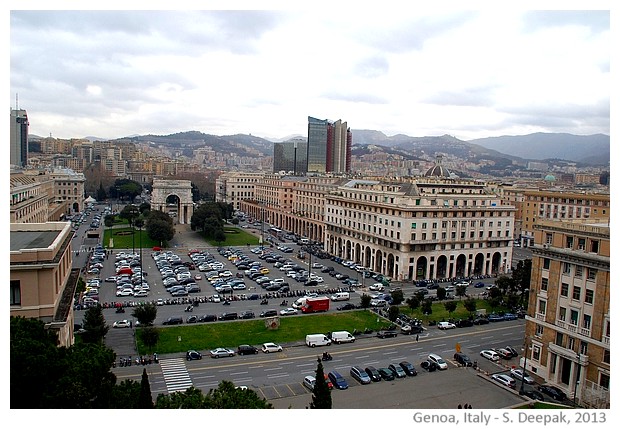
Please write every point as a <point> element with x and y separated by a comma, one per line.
<point>465,406</point>
<point>417,337</point>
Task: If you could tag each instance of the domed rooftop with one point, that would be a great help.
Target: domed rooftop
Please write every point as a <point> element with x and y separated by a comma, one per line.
<point>549,178</point>
<point>437,170</point>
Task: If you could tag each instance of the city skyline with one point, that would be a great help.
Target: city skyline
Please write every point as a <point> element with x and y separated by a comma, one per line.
<point>111,74</point>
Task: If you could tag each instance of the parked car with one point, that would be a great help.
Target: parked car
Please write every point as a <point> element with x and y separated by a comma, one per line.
<point>518,374</point>
<point>121,324</point>
<point>490,355</point>
<point>386,374</point>
<point>481,321</point>
<point>408,368</point>
<point>504,379</point>
<point>271,347</point>
<point>387,333</point>
<point>193,355</point>
<point>360,375</point>
<point>463,359</point>
<point>441,364</point>
<point>207,318</point>
<point>269,313</point>
<point>552,391</point>
<point>373,373</point>
<point>397,370</point>
<point>221,352</point>
<point>338,380</point>
<point>309,382</point>
<point>512,350</point>
<point>288,311</point>
<point>494,317</point>
<point>246,349</point>
<point>535,395</point>
<point>347,306</point>
<point>192,319</point>
<point>228,316</point>
<point>428,365</point>
<point>503,353</point>
<point>248,314</point>
<point>464,323</point>
<point>175,320</point>
<point>446,325</point>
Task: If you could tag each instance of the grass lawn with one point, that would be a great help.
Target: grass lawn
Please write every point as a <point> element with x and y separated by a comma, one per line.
<point>440,313</point>
<point>235,237</point>
<point>123,238</point>
<point>232,334</point>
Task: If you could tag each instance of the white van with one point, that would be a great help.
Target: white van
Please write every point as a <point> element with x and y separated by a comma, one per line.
<point>300,302</point>
<point>313,340</point>
<point>340,296</point>
<point>438,360</point>
<point>342,337</point>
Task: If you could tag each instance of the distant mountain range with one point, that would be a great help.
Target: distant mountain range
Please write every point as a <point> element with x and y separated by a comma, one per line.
<point>503,151</point>
<point>590,150</point>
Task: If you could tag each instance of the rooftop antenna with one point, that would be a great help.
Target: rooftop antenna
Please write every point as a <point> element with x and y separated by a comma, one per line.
<point>16,101</point>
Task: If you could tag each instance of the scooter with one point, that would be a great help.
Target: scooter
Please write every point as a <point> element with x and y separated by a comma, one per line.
<point>264,302</point>
<point>120,310</point>
<point>189,308</point>
<point>284,303</point>
<point>226,302</point>
<point>326,357</point>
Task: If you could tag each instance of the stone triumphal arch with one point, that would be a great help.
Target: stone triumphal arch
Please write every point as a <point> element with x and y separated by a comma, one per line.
<point>173,197</point>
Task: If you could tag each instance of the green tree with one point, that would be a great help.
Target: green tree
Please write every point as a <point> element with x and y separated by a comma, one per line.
<point>145,313</point>
<point>470,305</point>
<point>413,302</point>
<point>108,221</point>
<point>129,212</point>
<point>461,291</point>
<point>219,236</point>
<point>441,293</point>
<point>101,194</point>
<point>145,399</point>
<point>397,297</point>
<point>321,395</point>
<point>225,396</point>
<point>95,325</point>
<point>125,189</point>
<point>125,395</point>
<point>149,336</point>
<point>159,226</point>
<point>365,300</point>
<point>393,313</point>
<point>427,307</point>
<point>192,398</point>
<point>44,375</point>
<point>450,306</point>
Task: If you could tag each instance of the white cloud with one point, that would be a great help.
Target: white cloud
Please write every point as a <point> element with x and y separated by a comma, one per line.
<point>465,73</point>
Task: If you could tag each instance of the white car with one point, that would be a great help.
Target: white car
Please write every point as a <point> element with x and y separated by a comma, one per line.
<point>125,292</point>
<point>377,287</point>
<point>490,355</point>
<point>505,380</point>
<point>271,347</point>
<point>309,382</point>
<point>141,293</point>
<point>518,374</point>
<point>288,311</point>
<point>121,324</point>
<point>216,298</point>
<point>446,325</point>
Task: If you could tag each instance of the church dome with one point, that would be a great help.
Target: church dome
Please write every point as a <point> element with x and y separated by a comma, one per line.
<point>437,170</point>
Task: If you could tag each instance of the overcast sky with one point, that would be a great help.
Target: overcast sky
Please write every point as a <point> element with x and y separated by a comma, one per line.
<point>470,74</point>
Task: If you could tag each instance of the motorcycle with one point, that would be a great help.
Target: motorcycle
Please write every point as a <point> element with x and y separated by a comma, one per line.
<point>189,308</point>
<point>284,303</point>
<point>326,356</point>
<point>264,302</point>
<point>120,310</point>
<point>226,302</point>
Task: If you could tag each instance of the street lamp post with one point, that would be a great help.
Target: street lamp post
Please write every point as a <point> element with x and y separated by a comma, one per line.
<point>525,349</point>
<point>577,379</point>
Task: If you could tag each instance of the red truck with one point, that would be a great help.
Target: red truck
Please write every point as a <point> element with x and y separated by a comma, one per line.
<point>314,305</point>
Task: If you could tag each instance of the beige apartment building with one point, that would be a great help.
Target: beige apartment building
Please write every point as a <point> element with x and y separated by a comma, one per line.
<point>568,321</point>
<point>559,205</point>
<point>431,227</point>
<point>234,187</point>
<point>42,282</point>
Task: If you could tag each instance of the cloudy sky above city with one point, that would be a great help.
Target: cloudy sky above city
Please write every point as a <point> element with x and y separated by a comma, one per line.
<point>471,73</point>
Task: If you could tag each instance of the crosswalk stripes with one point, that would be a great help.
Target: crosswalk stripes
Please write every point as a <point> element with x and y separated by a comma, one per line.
<point>175,374</point>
